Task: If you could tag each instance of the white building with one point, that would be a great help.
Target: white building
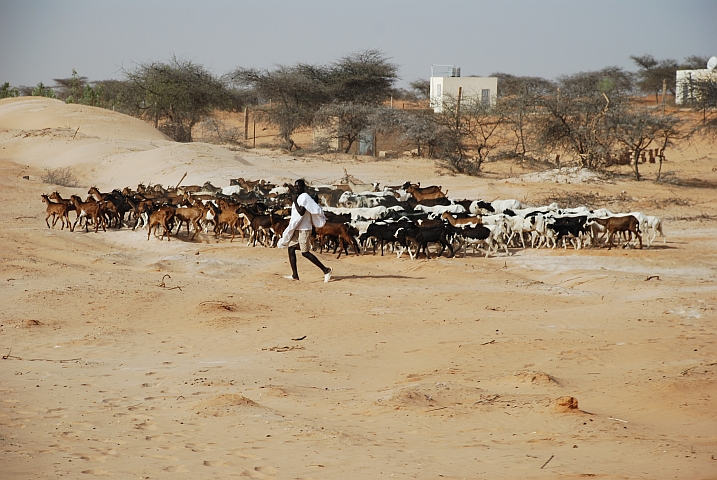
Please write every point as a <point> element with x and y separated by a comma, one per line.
<point>686,79</point>
<point>473,89</point>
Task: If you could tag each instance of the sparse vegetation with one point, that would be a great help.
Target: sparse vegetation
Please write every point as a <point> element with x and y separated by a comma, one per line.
<point>77,89</point>
<point>593,119</point>
<point>290,97</point>
<point>6,91</point>
<point>63,177</point>
<point>219,131</point>
<point>42,90</point>
<point>568,199</point>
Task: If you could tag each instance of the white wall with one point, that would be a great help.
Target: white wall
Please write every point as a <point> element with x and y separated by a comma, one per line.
<point>473,87</point>
<point>683,92</point>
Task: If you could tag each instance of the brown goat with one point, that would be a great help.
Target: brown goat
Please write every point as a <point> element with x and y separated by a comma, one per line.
<point>55,197</point>
<point>191,215</point>
<point>113,207</point>
<point>425,193</point>
<point>158,216</point>
<point>613,225</point>
<point>459,222</point>
<point>56,211</point>
<point>225,218</point>
<point>278,224</point>
<point>257,223</point>
<point>342,232</point>
<point>88,210</point>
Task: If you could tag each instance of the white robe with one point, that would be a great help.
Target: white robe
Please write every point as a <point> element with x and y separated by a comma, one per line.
<point>313,209</point>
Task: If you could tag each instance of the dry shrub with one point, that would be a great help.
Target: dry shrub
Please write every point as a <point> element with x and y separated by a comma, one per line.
<point>60,176</point>
<point>703,217</point>
<point>217,131</point>
<point>672,201</point>
<point>577,199</point>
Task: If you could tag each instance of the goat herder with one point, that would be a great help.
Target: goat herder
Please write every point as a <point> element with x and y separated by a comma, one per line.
<point>305,214</point>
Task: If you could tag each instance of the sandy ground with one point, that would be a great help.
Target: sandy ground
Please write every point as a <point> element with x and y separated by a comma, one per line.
<point>151,359</point>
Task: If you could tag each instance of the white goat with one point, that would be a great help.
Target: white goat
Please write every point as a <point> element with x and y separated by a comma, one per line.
<point>496,239</point>
<point>502,205</point>
<point>356,213</point>
<point>440,209</point>
<point>654,226</point>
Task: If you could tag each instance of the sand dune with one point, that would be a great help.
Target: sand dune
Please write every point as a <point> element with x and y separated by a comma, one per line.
<point>129,358</point>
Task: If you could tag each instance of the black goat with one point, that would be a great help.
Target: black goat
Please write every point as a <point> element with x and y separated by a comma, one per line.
<point>422,236</point>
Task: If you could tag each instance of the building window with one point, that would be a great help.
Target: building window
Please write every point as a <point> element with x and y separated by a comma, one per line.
<point>485,96</point>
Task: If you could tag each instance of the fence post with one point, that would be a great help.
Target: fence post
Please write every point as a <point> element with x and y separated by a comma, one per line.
<point>246,123</point>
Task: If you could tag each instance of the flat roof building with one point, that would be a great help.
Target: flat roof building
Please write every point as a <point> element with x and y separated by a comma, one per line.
<point>687,82</point>
<point>473,89</point>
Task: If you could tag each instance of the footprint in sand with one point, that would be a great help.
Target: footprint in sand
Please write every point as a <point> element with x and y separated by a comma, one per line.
<point>70,435</point>
<point>176,469</point>
<point>93,458</point>
<point>103,453</point>
<point>62,448</point>
<point>246,456</point>
<point>197,447</point>
<point>146,425</point>
<point>267,470</point>
<point>96,471</point>
<point>257,473</point>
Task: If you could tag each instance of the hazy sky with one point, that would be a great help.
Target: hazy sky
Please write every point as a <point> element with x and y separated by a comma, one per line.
<point>45,39</point>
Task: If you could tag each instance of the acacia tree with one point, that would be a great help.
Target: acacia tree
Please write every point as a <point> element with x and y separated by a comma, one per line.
<point>291,95</point>
<point>637,128</point>
<point>671,132</point>
<point>417,128</point>
<point>469,132</point>
<point>694,62</point>
<point>177,95</point>
<point>365,77</point>
<point>653,73</point>
<point>704,92</point>
<point>574,118</point>
<point>422,88</point>
<point>77,89</point>
<point>344,122</point>
<point>70,90</point>
<point>520,99</point>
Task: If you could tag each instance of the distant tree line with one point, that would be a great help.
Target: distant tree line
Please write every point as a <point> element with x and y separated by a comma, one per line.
<point>591,117</point>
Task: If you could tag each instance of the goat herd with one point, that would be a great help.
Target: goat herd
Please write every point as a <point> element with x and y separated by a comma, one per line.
<point>402,218</point>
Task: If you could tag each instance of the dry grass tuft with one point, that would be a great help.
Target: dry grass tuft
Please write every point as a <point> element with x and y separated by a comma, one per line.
<point>672,201</point>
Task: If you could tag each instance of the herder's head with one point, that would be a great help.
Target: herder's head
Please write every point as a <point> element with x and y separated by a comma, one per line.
<point>300,186</point>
